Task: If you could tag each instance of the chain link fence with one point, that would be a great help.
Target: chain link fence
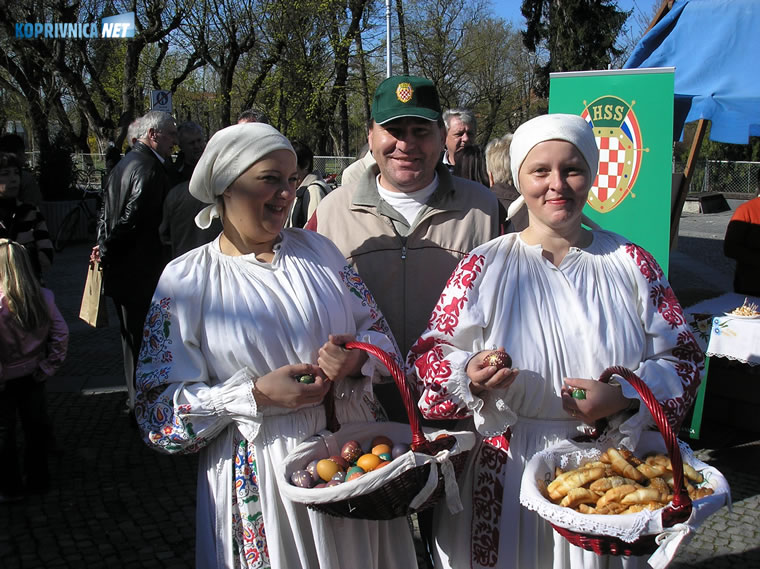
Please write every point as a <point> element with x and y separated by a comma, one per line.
<point>723,176</point>
<point>731,177</point>
<point>329,166</point>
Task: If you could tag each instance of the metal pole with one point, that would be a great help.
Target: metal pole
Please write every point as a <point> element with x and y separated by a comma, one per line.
<point>388,64</point>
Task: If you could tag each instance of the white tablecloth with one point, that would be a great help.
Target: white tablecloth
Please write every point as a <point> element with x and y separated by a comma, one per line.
<point>726,336</point>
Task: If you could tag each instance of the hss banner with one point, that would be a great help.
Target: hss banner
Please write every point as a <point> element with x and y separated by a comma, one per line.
<point>631,113</point>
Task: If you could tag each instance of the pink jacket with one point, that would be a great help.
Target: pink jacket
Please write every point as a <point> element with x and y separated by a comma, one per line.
<point>23,353</point>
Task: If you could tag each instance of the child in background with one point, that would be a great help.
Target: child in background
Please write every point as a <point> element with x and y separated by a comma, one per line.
<point>33,343</point>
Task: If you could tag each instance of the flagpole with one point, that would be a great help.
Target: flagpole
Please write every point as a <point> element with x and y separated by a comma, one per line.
<point>388,64</point>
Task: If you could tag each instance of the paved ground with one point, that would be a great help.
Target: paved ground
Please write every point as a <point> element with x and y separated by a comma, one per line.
<point>117,504</point>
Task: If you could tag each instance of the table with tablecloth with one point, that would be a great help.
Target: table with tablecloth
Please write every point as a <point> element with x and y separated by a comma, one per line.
<point>722,335</point>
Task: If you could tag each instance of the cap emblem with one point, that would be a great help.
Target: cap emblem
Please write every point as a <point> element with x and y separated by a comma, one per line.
<point>404,92</point>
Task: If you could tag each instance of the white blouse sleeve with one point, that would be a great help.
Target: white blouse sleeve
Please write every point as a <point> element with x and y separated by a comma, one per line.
<point>454,334</point>
<point>176,407</point>
<point>673,362</point>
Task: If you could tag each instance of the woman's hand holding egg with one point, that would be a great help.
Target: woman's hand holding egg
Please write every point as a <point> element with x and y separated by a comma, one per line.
<point>599,399</point>
<point>280,387</point>
<point>491,369</point>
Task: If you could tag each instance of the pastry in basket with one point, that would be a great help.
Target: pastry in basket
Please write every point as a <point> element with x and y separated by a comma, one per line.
<point>611,495</point>
<point>233,328</point>
<point>566,300</point>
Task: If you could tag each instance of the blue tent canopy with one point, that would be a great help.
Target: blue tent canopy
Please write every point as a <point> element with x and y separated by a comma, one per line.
<point>714,46</point>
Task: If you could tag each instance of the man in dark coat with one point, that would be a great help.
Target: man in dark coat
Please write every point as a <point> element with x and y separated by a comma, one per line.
<point>129,246</point>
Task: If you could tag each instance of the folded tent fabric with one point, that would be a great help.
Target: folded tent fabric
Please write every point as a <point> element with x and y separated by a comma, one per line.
<point>716,74</point>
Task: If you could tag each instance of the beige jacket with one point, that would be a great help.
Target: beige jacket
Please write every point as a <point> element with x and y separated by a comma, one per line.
<point>406,267</point>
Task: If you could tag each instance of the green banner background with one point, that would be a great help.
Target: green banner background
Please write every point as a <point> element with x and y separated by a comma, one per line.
<point>644,214</point>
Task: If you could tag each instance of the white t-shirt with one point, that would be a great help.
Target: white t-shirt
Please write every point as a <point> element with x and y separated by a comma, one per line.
<point>408,204</point>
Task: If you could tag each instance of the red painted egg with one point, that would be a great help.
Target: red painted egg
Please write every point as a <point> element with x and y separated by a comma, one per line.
<point>351,451</point>
<point>381,440</point>
<point>498,360</point>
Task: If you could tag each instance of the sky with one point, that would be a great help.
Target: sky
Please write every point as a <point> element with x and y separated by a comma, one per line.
<point>510,11</point>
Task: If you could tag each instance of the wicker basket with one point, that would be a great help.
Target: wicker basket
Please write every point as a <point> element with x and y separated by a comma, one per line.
<point>411,483</point>
<point>677,511</point>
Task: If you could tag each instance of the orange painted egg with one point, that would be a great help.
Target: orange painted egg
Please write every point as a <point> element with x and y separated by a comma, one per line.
<point>354,470</point>
<point>354,476</point>
<point>384,463</point>
<point>381,449</point>
<point>368,462</point>
<point>326,469</point>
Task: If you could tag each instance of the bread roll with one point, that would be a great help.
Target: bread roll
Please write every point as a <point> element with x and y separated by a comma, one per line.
<point>604,484</point>
<point>578,496</point>
<point>559,488</point>
<point>623,467</point>
<point>641,496</point>
<point>615,495</point>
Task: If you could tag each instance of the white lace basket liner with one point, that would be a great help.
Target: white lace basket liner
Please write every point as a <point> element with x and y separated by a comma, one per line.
<point>627,527</point>
<point>326,444</point>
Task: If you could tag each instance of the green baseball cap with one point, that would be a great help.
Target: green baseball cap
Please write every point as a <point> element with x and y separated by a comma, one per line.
<point>405,96</point>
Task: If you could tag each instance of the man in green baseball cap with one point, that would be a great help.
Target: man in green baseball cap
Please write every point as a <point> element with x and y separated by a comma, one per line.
<point>405,96</point>
<point>406,222</point>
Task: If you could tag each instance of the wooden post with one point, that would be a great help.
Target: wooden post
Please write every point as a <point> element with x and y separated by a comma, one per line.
<point>683,189</point>
<point>661,11</point>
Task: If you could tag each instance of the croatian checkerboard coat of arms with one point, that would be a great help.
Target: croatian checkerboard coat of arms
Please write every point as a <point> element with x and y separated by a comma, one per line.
<point>618,137</point>
<point>404,92</point>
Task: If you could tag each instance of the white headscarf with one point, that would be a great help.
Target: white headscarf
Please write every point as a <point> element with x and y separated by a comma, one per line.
<point>229,153</point>
<point>570,128</point>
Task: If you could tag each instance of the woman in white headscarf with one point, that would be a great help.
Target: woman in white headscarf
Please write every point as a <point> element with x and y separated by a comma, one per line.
<point>565,302</point>
<point>231,325</point>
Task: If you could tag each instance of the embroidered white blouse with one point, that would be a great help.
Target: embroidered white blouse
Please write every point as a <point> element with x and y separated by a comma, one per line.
<point>218,322</point>
<point>608,304</point>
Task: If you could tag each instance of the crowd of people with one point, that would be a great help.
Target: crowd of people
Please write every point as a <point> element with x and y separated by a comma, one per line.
<point>235,270</point>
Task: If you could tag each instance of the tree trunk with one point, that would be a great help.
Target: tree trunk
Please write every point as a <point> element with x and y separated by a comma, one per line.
<point>363,78</point>
<point>402,37</point>
<point>342,50</point>
<point>227,74</point>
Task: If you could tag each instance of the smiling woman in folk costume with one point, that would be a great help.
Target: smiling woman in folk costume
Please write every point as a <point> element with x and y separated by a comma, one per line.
<point>565,302</point>
<point>232,324</point>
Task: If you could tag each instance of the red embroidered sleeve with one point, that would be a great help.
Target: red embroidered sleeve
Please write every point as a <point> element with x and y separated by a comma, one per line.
<point>430,355</point>
<point>687,358</point>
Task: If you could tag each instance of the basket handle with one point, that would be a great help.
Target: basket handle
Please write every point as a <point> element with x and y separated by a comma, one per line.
<point>681,508</point>
<point>419,441</point>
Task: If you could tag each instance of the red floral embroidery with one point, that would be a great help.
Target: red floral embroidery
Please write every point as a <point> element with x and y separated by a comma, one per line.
<point>689,369</point>
<point>646,263</point>
<point>444,409</point>
<point>433,365</point>
<point>664,299</point>
<point>487,495</point>
<point>467,271</point>
<point>434,369</point>
<point>445,316</point>
<point>500,441</point>
<point>687,348</point>
<point>448,317</point>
